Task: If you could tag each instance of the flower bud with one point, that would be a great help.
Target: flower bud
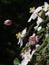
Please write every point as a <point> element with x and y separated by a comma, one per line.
<point>8,22</point>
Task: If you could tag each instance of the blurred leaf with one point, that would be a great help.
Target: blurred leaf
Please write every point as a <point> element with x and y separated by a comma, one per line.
<point>16,61</point>
<point>42,30</point>
<point>38,58</point>
<point>45,42</point>
<point>41,36</point>
<point>47,62</point>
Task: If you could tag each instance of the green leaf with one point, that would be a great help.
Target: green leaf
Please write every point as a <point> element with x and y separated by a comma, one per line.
<point>16,61</point>
<point>47,62</point>
<point>38,58</point>
<point>41,36</point>
<point>42,30</point>
<point>43,44</point>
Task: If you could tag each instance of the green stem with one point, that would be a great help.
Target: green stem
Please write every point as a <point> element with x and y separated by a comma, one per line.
<point>43,44</point>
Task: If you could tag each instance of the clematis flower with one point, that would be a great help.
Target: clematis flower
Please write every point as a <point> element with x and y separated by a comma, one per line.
<point>27,57</point>
<point>33,39</point>
<point>46,6</point>
<point>8,22</point>
<point>39,20</point>
<point>34,14</point>
<point>20,37</point>
<point>27,51</point>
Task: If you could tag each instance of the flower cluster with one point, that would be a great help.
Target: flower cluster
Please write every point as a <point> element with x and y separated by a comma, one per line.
<point>36,13</point>
<point>33,40</point>
<point>20,36</point>
<point>26,52</point>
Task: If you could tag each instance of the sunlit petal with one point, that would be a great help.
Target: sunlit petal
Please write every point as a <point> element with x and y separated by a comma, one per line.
<point>47,13</point>
<point>45,6</point>
<point>23,32</point>
<point>33,16</point>
<point>39,28</point>
<point>38,9</point>
<point>39,20</point>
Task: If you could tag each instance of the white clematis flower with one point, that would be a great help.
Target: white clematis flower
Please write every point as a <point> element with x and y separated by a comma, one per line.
<point>20,37</point>
<point>39,20</point>
<point>27,58</point>
<point>45,6</point>
<point>34,14</point>
<point>26,53</point>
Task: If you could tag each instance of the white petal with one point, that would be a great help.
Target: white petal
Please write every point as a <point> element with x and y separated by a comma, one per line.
<point>33,52</point>
<point>21,43</point>
<point>45,6</point>
<point>48,24</point>
<point>39,20</point>
<point>47,13</point>
<point>33,16</point>
<point>39,28</point>
<point>37,9</point>
<point>27,44</point>
<point>36,27</point>
<point>24,62</point>
<point>23,32</point>
<point>30,18</point>
<point>26,53</point>
<point>37,46</point>
<point>33,35</point>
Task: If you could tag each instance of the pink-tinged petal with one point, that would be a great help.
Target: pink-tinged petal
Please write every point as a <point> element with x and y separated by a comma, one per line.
<point>8,22</point>
<point>33,39</point>
<point>37,39</point>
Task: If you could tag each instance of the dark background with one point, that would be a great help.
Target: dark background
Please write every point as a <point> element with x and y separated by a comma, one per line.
<point>18,12</point>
